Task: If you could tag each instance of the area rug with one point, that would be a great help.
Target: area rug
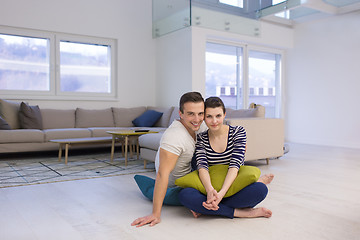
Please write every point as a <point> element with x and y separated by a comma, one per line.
<point>38,170</point>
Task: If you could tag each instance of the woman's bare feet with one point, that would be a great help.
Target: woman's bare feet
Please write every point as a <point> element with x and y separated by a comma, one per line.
<point>252,212</point>
<point>195,214</point>
<point>266,179</point>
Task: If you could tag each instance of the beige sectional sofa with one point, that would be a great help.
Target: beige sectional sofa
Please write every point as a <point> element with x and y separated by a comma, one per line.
<point>72,123</point>
<point>265,136</point>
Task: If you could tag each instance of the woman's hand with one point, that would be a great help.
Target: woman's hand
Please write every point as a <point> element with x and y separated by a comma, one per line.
<point>220,197</point>
<point>212,197</point>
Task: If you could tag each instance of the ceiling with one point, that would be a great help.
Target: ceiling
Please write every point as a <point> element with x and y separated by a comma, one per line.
<point>296,11</point>
<point>282,11</point>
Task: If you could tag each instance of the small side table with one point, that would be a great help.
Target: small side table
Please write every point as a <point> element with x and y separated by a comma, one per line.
<point>126,134</point>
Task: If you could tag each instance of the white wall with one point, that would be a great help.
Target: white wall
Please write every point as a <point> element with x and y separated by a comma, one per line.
<point>174,67</point>
<point>129,22</point>
<point>323,83</point>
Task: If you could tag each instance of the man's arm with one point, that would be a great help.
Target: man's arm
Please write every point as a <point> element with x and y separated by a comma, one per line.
<point>167,164</point>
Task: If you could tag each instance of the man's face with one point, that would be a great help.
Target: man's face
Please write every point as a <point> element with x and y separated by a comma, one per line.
<point>193,115</point>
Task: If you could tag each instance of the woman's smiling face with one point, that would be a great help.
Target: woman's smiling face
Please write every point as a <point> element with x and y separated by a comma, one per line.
<point>214,118</point>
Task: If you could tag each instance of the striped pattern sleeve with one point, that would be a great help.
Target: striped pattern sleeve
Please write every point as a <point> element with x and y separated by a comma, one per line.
<point>238,139</point>
<point>200,150</point>
<point>233,155</point>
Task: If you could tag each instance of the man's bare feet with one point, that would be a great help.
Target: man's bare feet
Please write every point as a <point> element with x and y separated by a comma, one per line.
<point>266,179</point>
<point>252,212</point>
<point>195,214</point>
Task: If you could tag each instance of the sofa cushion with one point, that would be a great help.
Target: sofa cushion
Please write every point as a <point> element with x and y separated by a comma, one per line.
<point>9,111</point>
<point>151,141</point>
<point>164,120</point>
<point>124,116</point>
<point>147,119</point>
<point>58,118</point>
<point>174,115</point>
<point>246,113</point>
<point>246,176</point>
<point>22,136</point>
<point>94,118</point>
<point>65,133</point>
<point>4,125</point>
<point>30,117</point>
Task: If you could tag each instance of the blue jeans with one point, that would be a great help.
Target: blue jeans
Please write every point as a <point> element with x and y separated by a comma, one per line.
<point>248,197</point>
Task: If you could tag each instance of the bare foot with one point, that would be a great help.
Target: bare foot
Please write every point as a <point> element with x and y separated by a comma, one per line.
<point>252,212</point>
<point>195,214</point>
<point>266,179</point>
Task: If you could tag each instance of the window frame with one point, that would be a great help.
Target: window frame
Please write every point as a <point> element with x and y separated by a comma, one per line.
<point>243,85</point>
<point>54,92</point>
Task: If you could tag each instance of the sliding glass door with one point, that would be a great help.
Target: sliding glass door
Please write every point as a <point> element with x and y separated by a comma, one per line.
<point>241,75</point>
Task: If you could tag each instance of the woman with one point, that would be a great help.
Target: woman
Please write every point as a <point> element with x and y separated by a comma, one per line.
<point>223,144</point>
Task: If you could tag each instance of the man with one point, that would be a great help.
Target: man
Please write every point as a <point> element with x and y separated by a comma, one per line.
<point>176,149</point>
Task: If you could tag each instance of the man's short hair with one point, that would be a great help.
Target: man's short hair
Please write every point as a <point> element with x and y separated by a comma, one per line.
<point>190,97</point>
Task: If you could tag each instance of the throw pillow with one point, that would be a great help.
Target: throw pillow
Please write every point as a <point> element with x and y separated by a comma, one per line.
<point>246,176</point>
<point>9,111</point>
<point>123,116</point>
<point>30,117</point>
<point>147,119</point>
<point>164,120</point>
<point>147,185</point>
<point>4,125</point>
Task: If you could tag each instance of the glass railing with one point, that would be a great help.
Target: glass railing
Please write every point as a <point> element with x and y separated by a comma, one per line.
<point>170,16</point>
<point>221,21</point>
<point>173,15</point>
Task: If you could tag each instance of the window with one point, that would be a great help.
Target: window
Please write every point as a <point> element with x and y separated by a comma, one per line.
<point>252,91</point>
<point>84,68</point>
<point>222,64</point>
<point>41,64</point>
<point>235,3</point>
<point>257,71</point>
<point>222,91</point>
<point>271,91</point>
<point>261,91</point>
<point>25,59</point>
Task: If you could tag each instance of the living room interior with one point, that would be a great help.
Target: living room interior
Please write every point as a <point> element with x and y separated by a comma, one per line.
<point>313,195</point>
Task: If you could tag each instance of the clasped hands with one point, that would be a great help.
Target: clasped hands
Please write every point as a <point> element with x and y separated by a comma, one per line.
<point>213,200</point>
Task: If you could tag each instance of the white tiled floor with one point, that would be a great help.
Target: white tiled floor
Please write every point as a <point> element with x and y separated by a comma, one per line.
<point>315,195</point>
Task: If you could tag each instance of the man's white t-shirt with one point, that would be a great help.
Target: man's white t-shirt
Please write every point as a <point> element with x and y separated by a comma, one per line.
<point>177,140</point>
